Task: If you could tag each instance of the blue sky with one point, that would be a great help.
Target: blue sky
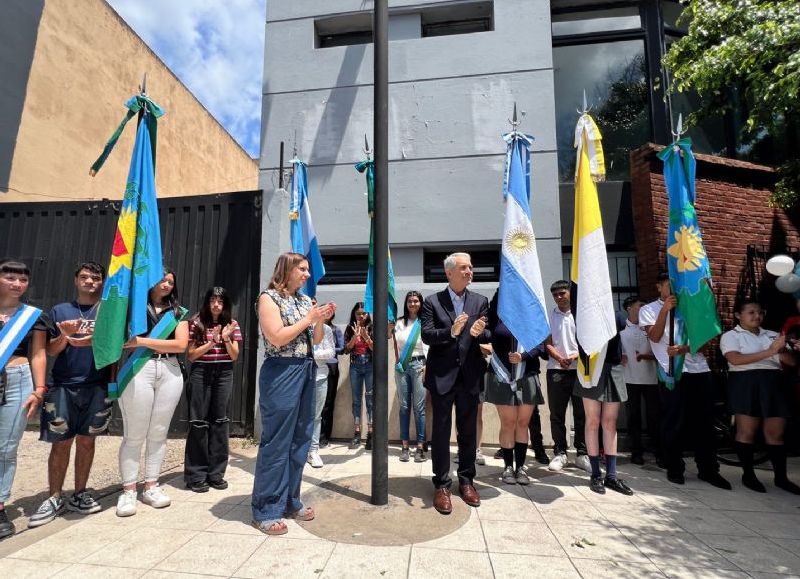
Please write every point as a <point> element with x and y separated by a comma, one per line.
<point>216,48</point>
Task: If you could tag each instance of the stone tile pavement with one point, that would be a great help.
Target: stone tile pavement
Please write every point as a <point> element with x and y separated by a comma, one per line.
<point>555,527</point>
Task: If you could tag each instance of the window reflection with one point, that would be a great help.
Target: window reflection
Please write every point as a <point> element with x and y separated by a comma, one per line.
<point>613,75</point>
<point>670,12</point>
<point>596,21</point>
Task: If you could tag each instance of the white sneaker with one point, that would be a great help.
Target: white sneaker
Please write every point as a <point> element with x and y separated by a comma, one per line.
<point>582,462</point>
<point>126,503</point>
<point>314,460</point>
<point>479,458</point>
<point>559,461</point>
<point>156,498</point>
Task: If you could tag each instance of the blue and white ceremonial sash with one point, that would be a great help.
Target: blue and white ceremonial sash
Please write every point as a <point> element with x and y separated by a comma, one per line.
<point>15,331</point>
<point>165,326</point>
<point>408,348</point>
<point>502,374</point>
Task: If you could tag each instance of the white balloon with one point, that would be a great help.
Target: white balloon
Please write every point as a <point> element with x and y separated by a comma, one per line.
<point>788,283</point>
<point>779,265</point>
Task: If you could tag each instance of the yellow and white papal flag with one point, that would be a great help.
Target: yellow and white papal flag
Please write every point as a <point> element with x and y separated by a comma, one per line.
<point>593,304</point>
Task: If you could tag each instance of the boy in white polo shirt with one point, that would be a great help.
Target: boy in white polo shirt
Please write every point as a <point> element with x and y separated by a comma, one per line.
<point>641,378</point>
<point>562,375</point>
<point>687,409</point>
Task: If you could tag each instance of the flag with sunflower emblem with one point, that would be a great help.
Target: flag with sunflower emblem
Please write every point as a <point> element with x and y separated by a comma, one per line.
<point>521,302</point>
<point>136,264</point>
<point>591,297</point>
<point>687,262</point>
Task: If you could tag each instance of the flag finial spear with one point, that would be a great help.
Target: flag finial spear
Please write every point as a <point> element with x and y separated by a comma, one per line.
<point>679,130</point>
<point>514,120</point>
<point>143,87</point>
<point>367,150</point>
<point>586,108</point>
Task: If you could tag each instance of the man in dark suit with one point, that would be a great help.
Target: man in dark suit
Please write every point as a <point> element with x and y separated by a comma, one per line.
<point>453,324</point>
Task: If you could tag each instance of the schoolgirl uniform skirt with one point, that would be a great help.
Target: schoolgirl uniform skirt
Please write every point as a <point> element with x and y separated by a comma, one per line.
<point>527,390</point>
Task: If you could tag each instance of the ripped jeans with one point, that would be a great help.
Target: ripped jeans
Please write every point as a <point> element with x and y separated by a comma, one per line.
<point>208,394</point>
<point>69,410</point>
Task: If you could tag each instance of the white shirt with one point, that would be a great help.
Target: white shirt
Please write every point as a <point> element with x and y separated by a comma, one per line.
<point>401,334</point>
<point>562,328</point>
<point>692,363</point>
<point>323,351</point>
<point>634,341</point>
<point>745,342</point>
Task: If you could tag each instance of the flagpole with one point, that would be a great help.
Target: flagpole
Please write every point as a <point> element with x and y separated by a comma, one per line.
<point>380,353</point>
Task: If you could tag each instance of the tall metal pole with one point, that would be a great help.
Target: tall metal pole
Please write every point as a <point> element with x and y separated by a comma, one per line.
<point>380,353</point>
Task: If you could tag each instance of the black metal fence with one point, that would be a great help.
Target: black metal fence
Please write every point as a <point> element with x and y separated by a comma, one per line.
<point>208,240</point>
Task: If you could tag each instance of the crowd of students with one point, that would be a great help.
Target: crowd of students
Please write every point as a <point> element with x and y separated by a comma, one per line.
<point>299,378</point>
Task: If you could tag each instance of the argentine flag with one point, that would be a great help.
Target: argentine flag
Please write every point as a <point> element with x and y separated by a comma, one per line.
<point>301,228</point>
<point>521,304</point>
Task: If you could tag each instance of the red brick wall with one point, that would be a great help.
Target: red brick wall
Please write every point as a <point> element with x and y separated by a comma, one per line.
<point>733,211</point>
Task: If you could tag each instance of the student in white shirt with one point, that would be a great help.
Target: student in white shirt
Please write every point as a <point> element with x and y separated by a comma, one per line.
<point>641,378</point>
<point>687,409</point>
<point>562,375</point>
<point>757,392</point>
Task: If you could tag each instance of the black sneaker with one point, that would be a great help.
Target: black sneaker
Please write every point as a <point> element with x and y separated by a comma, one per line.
<point>368,444</point>
<point>596,484</point>
<point>425,446</point>
<point>419,455</point>
<point>356,442</point>
<point>83,503</point>
<point>323,443</point>
<point>198,487</point>
<point>220,484</point>
<point>618,485</point>
<point>6,526</point>
<point>498,454</point>
<point>404,454</point>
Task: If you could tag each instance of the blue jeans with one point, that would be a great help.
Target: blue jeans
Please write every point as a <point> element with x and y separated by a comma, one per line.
<point>361,381</point>
<point>286,390</point>
<point>411,391</point>
<point>19,386</point>
<point>320,393</point>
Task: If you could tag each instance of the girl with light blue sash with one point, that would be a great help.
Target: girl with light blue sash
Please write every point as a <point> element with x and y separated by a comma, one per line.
<point>23,362</point>
<point>410,353</point>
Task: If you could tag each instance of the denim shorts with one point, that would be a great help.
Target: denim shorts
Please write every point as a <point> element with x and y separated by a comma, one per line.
<point>71,410</point>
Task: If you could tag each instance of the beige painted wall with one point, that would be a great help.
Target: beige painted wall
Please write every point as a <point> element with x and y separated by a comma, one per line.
<point>87,63</point>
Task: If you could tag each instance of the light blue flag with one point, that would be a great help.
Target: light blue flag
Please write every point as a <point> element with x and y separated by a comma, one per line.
<point>521,301</point>
<point>301,228</point>
<point>136,263</point>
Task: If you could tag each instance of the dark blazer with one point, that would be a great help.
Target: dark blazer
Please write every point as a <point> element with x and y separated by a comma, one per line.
<point>448,357</point>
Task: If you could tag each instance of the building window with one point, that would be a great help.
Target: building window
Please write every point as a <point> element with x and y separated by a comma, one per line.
<point>458,18</point>
<point>569,23</point>
<point>345,268</point>
<point>614,76</point>
<point>485,265</point>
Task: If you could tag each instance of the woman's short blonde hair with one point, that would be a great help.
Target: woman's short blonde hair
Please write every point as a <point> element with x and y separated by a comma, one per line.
<point>283,267</point>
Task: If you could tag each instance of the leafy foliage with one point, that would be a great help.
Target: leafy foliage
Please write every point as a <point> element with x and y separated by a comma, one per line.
<point>749,46</point>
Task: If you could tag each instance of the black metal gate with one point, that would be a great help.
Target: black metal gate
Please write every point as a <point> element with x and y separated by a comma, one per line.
<point>208,240</point>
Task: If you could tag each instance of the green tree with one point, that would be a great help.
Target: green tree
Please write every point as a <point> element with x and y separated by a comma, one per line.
<point>746,50</point>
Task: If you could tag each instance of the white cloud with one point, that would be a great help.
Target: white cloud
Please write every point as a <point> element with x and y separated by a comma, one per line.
<point>215,48</point>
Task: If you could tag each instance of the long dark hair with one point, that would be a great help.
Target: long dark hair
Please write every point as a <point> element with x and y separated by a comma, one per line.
<point>205,319</point>
<point>348,333</point>
<point>172,297</point>
<point>412,294</point>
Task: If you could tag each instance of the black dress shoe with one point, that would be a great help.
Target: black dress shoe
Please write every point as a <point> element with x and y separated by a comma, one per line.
<point>6,526</point>
<point>676,478</point>
<point>220,484</point>
<point>541,455</point>
<point>198,487</point>
<point>596,484</point>
<point>637,459</point>
<point>715,480</point>
<point>618,485</point>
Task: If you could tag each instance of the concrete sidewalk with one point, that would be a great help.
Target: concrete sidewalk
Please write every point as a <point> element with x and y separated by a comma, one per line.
<point>555,527</point>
